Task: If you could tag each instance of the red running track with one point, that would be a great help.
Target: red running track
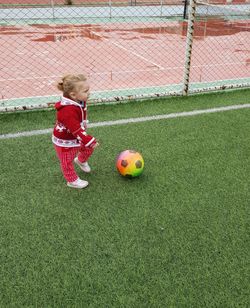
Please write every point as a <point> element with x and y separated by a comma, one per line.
<point>119,56</point>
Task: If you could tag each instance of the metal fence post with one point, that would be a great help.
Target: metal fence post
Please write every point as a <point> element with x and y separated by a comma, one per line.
<point>185,9</point>
<point>161,7</point>
<point>110,8</point>
<point>53,8</point>
<point>189,45</point>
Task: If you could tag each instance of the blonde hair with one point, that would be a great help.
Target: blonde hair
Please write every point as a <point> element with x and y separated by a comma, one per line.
<point>68,83</point>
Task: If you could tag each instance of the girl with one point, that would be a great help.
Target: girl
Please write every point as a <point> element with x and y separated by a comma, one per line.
<point>71,141</point>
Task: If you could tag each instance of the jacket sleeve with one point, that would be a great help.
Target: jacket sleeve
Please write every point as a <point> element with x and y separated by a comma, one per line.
<point>73,123</point>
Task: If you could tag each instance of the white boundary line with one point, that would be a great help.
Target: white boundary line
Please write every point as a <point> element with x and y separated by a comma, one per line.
<point>133,120</point>
<point>158,68</point>
<point>128,50</point>
<point>137,55</point>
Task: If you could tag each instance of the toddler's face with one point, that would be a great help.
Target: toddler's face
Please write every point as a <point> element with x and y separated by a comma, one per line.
<point>82,91</point>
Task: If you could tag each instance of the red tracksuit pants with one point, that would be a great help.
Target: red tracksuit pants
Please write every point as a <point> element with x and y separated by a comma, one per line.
<point>66,157</point>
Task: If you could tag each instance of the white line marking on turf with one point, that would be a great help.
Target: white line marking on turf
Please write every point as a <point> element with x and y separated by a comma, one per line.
<point>133,120</point>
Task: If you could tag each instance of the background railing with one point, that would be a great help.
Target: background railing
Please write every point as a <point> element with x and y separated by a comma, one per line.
<point>129,49</point>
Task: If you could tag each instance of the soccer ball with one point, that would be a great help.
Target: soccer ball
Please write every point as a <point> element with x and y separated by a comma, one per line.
<point>130,163</point>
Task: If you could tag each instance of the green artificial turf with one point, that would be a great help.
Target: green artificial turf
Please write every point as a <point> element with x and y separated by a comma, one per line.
<point>22,121</point>
<point>177,236</point>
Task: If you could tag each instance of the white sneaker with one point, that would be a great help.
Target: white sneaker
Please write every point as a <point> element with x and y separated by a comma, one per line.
<point>84,166</point>
<point>78,183</point>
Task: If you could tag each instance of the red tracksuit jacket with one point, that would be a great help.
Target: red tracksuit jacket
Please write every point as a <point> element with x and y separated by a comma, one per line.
<point>69,130</point>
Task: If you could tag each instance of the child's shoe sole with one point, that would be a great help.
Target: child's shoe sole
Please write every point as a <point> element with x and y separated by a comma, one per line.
<point>83,185</point>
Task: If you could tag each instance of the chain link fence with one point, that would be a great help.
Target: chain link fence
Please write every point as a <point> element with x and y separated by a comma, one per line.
<point>128,49</point>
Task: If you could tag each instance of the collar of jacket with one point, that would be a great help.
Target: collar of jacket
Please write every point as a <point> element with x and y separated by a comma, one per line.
<point>67,101</point>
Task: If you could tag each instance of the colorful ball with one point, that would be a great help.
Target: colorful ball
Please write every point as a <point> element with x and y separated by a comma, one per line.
<point>130,163</point>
